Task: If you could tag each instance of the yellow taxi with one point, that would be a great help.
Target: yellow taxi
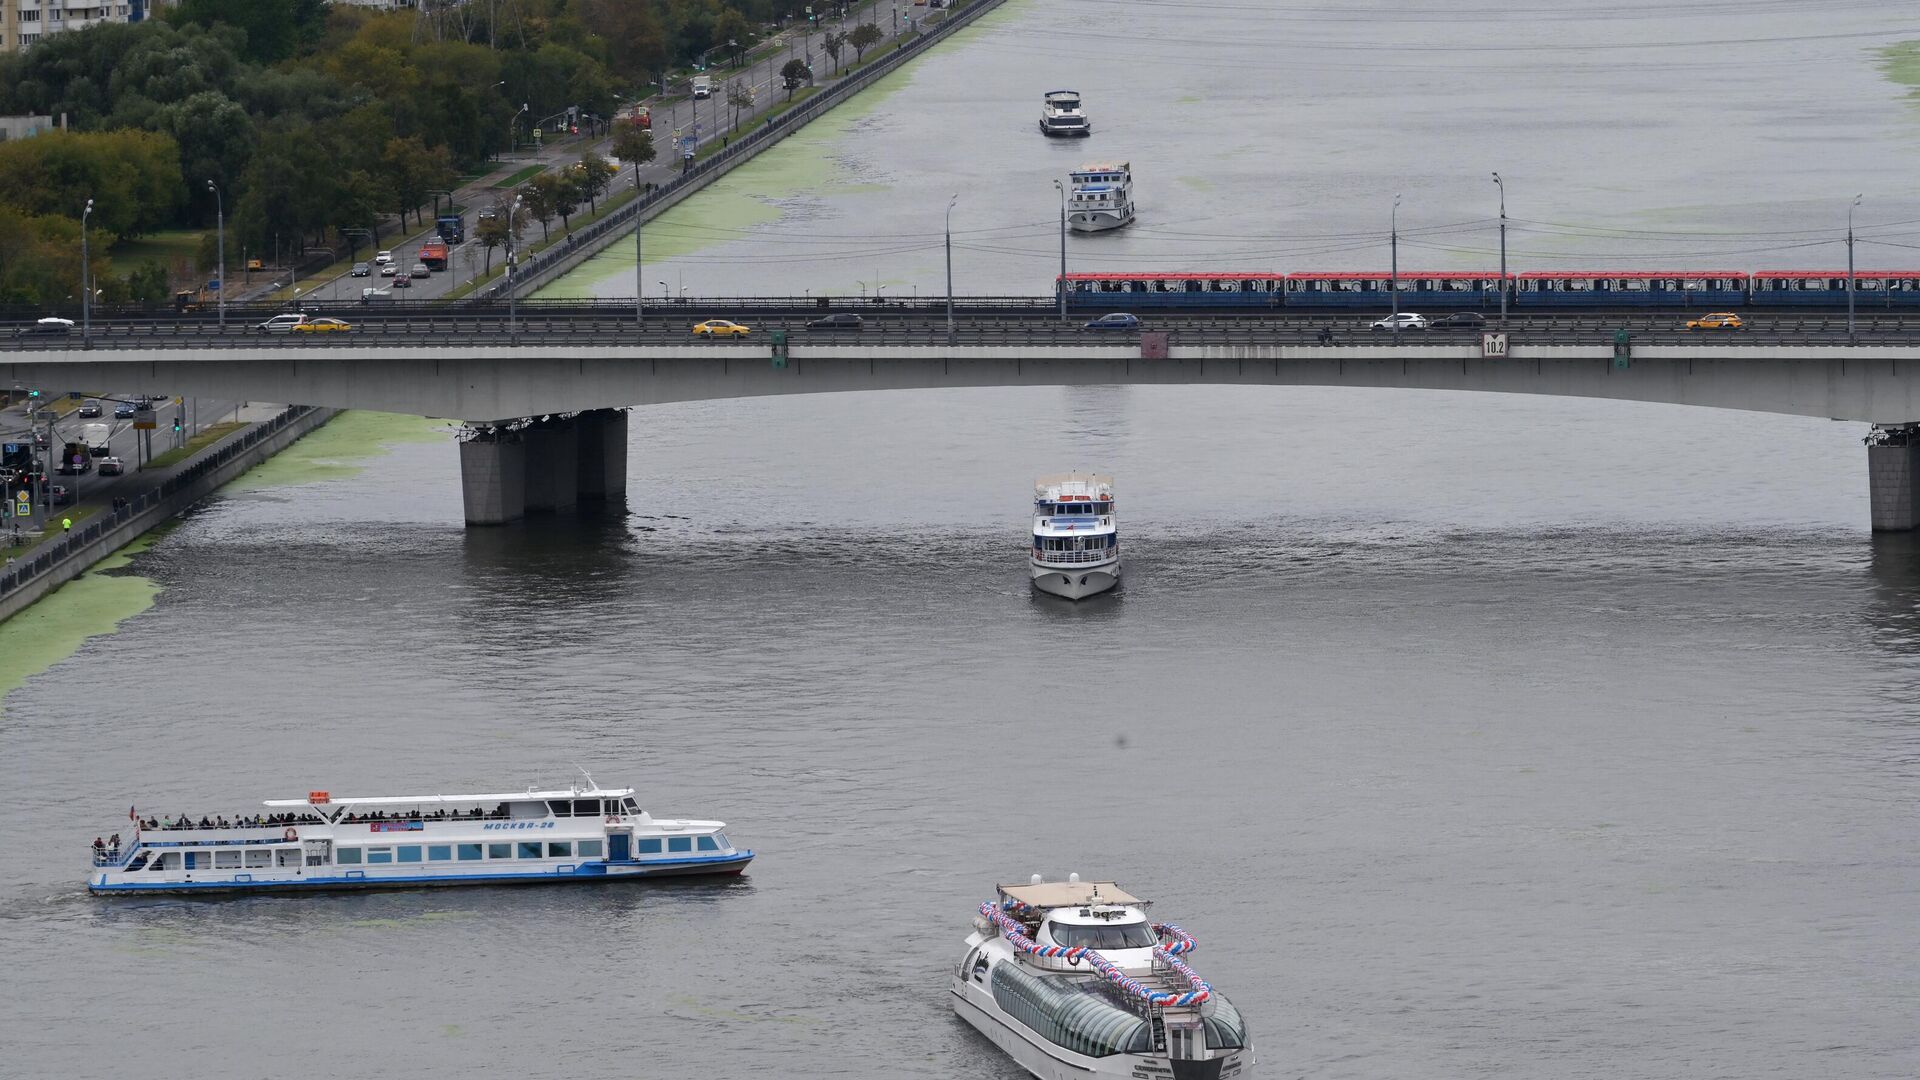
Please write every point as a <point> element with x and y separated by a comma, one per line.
<point>719,328</point>
<point>322,326</point>
<point>1719,320</point>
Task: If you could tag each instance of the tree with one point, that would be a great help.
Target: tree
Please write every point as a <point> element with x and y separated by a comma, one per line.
<point>793,74</point>
<point>863,37</point>
<point>732,26</point>
<point>832,42</point>
<point>739,97</point>
<point>561,193</point>
<point>591,177</point>
<point>148,284</point>
<point>492,231</point>
<point>633,144</point>
<point>535,198</point>
<point>412,170</point>
<point>274,28</point>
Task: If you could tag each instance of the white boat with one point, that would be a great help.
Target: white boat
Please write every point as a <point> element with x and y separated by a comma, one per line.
<point>1076,543</point>
<point>1101,197</point>
<point>1072,980</point>
<point>1061,114</point>
<point>582,834</point>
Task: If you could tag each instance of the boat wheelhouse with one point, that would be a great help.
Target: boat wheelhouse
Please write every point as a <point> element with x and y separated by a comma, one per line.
<point>1101,197</point>
<point>1071,979</point>
<point>1076,538</point>
<point>1061,114</point>
<point>581,834</point>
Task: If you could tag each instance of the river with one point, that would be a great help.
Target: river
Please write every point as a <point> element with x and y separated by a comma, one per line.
<point>1470,735</point>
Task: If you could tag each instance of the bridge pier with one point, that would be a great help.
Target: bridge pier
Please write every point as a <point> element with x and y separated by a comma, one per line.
<point>602,472</point>
<point>553,452</point>
<point>493,478</point>
<point>1893,470</point>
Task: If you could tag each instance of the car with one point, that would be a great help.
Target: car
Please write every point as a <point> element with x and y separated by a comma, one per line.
<point>1718,320</point>
<point>420,270</point>
<point>280,324</point>
<point>1405,320</point>
<point>370,296</point>
<point>323,326</point>
<point>1459,320</point>
<point>844,320</point>
<point>384,258</point>
<point>388,270</point>
<point>112,466</point>
<point>89,409</point>
<point>123,410</point>
<point>403,282</point>
<point>52,325</point>
<point>61,494</point>
<point>1116,320</point>
<point>361,269</point>
<point>720,328</point>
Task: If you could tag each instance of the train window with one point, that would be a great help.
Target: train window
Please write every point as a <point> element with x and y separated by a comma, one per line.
<point>1638,284</point>
<point>1580,284</point>
<point>1869,283</point>
<point>1694,284</point>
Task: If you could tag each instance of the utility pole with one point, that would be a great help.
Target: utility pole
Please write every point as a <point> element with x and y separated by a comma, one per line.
<point>1497,182</point>
<point>513,307</point>
<point>639,282</point>
<point>1057,186</point>
<point>1393,282</point>
<point>1850,210</point>
<point>220,211</point>
<point>950,205</point>
<point>86,295</point>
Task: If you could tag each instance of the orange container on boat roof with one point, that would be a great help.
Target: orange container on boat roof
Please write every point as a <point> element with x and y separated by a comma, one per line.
<point>317,797</point>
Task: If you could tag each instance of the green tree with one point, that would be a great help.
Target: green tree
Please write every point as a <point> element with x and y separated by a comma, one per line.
<point>863,37</point>
<point>413,169</point>
<point>793,74</point>
<point>592,175</point>
<point>832,42</point>
<point>274,29</point>
<point>739,98</point>
<point>536,200</point>
<point>562,195</point>
<point>492,231</point>
<point>633,144</point>
<point>148,284</point>
<point>133,177</point>
<point>732,26</point>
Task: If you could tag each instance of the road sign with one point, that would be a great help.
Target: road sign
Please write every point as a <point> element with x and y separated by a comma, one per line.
<point>1493,344</point>
<point>45,414</point>
<point>23,505</point>
<point>145,425</point>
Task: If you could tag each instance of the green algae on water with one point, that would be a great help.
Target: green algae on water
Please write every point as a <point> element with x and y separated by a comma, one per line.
<point>56,626</point>
<point>1901,62</point>
<point>339,450</point>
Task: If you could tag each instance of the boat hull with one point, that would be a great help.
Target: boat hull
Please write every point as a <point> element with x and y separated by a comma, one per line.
<point>1075,582</point>
<point>599,871</point>
<point>1032,1054</point>
<point>1069,131</point>
<point>1098,220</point>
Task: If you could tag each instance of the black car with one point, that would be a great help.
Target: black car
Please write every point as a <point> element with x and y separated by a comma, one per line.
<point>123,410</point>
<point>46,326</point>
<point>1459,320</point>
<point>844,320</point>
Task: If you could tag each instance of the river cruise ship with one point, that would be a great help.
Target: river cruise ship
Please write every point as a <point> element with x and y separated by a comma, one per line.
<point>1071,979</point>
<point>1076,543</point>
<point>1101,197</point>
<point>1061,114</point>
<point>582,834</point>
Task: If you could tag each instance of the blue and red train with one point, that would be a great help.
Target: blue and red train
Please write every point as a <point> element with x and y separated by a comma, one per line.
<point>1480,290</point>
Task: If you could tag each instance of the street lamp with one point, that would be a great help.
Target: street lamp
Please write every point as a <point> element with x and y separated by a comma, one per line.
<point>1057,186</point>
<point>513,304</point>
<point>513,123</point>
<point>639,282</point>
<point>220,211</point>
<point>1497,182</point>
<point>1393,280</point>
<point>950,205</point>
<point>86,287</point>
<point>665,293</point>
<point>1850,210</point>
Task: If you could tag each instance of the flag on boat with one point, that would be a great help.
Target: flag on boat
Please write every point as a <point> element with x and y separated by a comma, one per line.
<point>131,816</point>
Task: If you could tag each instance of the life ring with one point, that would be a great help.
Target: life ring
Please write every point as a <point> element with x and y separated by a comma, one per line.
<point>291,834</point>
<point>1073,959</point>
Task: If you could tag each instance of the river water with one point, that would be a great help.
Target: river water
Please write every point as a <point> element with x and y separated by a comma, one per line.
<point>1472,736</point>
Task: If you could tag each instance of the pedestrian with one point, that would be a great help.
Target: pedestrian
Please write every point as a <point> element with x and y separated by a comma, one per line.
<point>66,524</point>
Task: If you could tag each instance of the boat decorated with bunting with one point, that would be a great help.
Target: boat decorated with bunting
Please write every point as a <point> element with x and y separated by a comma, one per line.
<point>584,833</point>
<point>1076,538</point>
<point>1071,979</point>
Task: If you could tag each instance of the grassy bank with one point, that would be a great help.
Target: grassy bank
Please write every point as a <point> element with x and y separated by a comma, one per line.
<point>90,605</point>
<point>209,435</point>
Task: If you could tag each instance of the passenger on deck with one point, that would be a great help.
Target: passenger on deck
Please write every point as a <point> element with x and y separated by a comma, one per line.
<point>99,846</point>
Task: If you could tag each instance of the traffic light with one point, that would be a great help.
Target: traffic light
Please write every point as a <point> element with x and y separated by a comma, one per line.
<point>33,393</point>
<point>176,424</point>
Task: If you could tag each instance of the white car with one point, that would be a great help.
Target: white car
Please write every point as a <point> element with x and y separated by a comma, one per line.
<point>383,258</point>
<point>1406,320</point>
<point>280,324</point>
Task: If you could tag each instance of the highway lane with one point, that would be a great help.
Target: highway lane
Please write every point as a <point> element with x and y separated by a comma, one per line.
<point>91,487</point>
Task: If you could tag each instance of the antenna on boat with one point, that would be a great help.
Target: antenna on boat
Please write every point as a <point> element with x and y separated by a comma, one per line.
<point>591,786</point>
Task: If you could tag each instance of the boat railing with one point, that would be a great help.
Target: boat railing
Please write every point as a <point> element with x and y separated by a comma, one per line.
<point>112,856</point>
<point>1075,558</point>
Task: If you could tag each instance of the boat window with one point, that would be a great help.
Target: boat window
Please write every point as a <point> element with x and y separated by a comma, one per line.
<point>633,806</point>
<point>588,849</point>
<point>226,860</point>
<point>196,860</point>
<point>1226,1029</point>
<point>679,843</point>
<point>347,856</point>
<point>288,856</point>
<point>169,861</point>
<point>559,849</point>
<point>721,839</point>
<point>648,846</point>
<point>470,852</point>
<point>530,849</point>
<point>259,857</point>
<point>707,844</point>
<point>1068,1014</point>
<point>527,810</point>
<point>407,853</point>
<point>560,808</point>
<point>440,853</point>
<point>1135,935</point>
<point>586,807</point>
<point>499,851</point>
<point>380,855</point>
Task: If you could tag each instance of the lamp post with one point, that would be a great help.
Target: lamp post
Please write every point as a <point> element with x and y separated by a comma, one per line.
<point>1061,188</point>
<point>513,123</point>
<point>220,216</point>
<point>86,288</point>
<point>1850,210</point>
<point>950,205</point>
<point>1497,182</point>
<point>513,304</point>
<point>1393,279</point>
<point>639,282</point>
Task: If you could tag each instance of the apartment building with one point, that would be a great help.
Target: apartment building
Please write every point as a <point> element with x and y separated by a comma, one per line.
<point>25,23</point>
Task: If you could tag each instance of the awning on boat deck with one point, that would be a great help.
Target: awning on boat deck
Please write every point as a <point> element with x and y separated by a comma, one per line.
<point>1054,894</point>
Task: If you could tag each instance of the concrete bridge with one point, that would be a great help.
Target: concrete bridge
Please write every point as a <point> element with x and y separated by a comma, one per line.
<point>576,382</point>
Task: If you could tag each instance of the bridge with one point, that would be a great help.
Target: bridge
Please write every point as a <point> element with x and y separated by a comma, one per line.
<point>543,389</point>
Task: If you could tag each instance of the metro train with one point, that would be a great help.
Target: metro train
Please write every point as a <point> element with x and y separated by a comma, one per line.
<point>1475,289</point>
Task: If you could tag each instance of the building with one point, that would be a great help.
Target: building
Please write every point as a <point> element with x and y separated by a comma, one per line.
<point>24,127</point>
<point>24,23</point>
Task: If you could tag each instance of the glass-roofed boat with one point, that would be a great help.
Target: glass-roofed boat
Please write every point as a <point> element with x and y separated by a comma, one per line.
<point>1071,979</point>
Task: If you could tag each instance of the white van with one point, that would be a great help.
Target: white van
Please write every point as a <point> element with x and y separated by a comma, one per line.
<point>702,86</point>
<point>99,438</point>
<point>280,324</point>
<point>370,296</point>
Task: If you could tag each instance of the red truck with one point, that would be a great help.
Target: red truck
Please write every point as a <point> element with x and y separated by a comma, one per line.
<point>434,254</point>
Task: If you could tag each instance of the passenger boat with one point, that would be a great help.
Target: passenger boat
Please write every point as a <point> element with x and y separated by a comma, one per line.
<point>1076,544</point>
<point>1061,114</point>
<point>1072,980</point>
<point>582,834</point>
<point>1101,198</point>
